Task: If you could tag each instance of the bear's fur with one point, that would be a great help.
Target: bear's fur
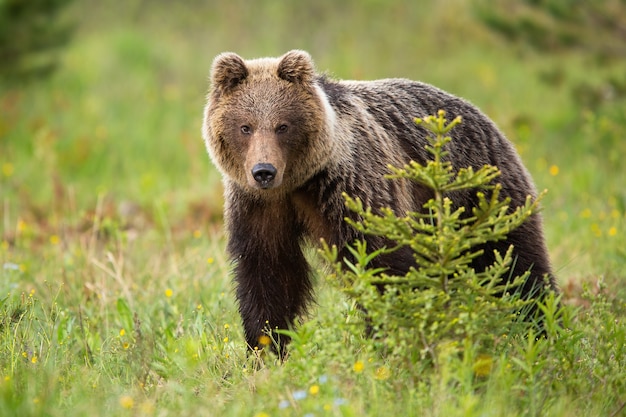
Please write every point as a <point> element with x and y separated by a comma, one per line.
<point>289,141</point>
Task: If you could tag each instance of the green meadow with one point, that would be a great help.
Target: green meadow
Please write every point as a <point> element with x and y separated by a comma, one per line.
<point>115,290</point>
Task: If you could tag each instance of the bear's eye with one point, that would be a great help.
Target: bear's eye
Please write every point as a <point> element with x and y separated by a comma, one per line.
<point>246,130</point>
<point>282,129</point>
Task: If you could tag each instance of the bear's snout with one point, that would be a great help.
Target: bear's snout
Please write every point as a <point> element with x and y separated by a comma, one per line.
<point>264,174</point>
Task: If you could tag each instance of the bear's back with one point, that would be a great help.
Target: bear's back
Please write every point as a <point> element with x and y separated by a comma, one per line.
<point>393,104</point>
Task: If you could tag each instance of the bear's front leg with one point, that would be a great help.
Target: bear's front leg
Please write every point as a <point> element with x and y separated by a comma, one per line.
<point>271,273</point>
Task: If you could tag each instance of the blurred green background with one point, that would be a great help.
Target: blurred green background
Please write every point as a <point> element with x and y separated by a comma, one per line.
<point>113,117</point>
<point>115,293</point>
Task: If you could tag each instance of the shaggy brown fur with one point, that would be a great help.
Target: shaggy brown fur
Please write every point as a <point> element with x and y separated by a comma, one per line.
<point>289,142</point>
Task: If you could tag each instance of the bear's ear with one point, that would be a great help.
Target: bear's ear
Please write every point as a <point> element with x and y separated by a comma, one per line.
<point>296,67</point>
<point>228,71</point>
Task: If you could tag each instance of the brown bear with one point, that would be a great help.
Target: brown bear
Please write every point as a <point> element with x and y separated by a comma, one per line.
<point>289,141</point>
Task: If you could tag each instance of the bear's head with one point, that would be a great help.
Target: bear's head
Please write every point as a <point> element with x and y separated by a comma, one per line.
<point>268,126</point>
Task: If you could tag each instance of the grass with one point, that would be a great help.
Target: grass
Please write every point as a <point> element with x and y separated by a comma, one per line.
<point>115,297</point>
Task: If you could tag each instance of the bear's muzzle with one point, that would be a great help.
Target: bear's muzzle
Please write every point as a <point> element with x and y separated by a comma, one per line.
<point>264,174</point>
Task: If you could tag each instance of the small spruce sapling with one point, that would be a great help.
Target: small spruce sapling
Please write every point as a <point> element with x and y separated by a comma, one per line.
<point>442,302</point>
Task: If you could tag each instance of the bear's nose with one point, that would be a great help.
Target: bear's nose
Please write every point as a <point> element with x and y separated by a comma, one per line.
<point>264,174</point>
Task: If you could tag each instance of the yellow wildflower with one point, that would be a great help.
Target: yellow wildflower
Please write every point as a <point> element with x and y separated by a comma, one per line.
<point>382,373</point>
<point>596,230</point>
<point>7,169</point>
<point>126,401</point>
<point>483,365</point>
<point>554,170</point>
<point>264,340</point>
